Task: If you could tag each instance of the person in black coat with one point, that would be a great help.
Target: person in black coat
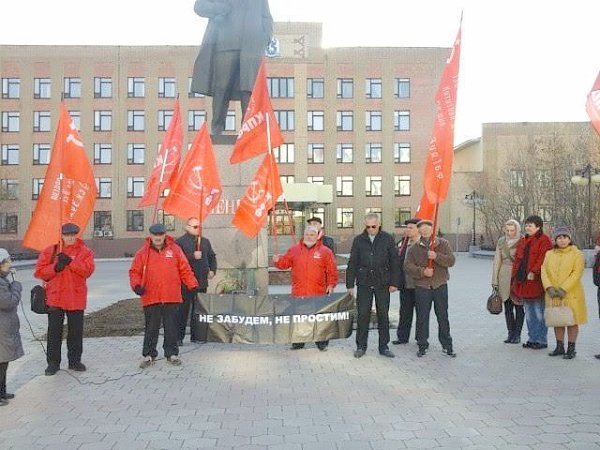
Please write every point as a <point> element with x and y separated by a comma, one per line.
<point>373,266</point>
<point>203,261</point>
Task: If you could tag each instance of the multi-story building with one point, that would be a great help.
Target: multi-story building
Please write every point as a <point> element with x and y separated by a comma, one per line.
<point>358,119</point>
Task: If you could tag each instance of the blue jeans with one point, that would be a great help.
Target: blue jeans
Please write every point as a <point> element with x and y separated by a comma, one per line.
<point>536,327</point>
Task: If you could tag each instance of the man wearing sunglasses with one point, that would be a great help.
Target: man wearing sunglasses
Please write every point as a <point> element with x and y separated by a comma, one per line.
<point>373,266</point>
<point>203,261</point>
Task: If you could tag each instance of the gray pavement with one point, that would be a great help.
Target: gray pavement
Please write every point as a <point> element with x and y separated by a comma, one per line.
<point>229,396</point>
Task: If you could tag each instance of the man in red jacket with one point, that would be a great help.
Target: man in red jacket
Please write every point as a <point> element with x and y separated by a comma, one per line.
<point>65,269</point>
<point>314,271</point>
<point>156,274</point>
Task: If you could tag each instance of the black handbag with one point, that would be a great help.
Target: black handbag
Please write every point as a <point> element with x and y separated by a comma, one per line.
<point>494,302</point>
<point>38,300</point>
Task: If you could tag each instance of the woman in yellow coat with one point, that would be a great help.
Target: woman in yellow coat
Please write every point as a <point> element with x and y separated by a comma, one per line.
<point>561,276</point>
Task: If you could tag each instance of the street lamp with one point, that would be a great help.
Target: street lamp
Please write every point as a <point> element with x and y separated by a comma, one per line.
<point>473,198</point>
<point>585,177</point>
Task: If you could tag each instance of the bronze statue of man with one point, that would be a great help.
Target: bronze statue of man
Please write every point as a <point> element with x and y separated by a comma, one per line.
<point>237,34</point>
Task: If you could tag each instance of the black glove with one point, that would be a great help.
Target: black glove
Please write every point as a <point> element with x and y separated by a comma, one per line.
<point>197,290</point>
<point>59,267</point>
<point>560,292</point>
<point>139,290</point>
<point>64,259</point>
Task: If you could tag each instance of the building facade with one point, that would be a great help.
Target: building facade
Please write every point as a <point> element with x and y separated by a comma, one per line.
<point>358,119</point>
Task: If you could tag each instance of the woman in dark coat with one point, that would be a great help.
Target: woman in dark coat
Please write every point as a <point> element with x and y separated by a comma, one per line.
<point>10,340</point>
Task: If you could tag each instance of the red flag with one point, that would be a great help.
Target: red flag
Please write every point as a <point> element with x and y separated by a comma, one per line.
<point>77,188</point>
<point>592,105</point>
<point>197,188</point>
<point>167,161</point>
<point>260,197</point>
<point>426,209</point>
<point>252,138</point>
<point>438,167</point>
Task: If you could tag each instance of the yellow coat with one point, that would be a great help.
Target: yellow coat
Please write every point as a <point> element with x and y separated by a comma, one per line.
<point>563,268</point>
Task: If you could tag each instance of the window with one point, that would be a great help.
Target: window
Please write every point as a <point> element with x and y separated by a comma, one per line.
<point>281,87</point>
<point>135,187</point>
<point>402,120</point>
<point>373,88</point>
<point>373,120</point>
<point>287,179</point>
<point>102,153</point>
<point>344,217</point>
<point>545,212</point>
<point>104,187</point>
<point>401,215</point>
<point>344,120</point>
<point>373,152</point>
<point>11,87</point>
<point>135,87</point>
<point>76,119</point>
<point>9,223</point>
<point>343,186</point>
<point>284,154</point>
<point>401,152</point>
<point>343,153</point>
<point>230,121</point>
<point>402,88</point>
<point>135,153</point>
<point>285,119</point>
<point>9,189</point>
<point>102,120</point>
<point>72,87</point>
<point>135,220</point>
<point>373,186</point>
<point>36,187</point>
<point>103,224</point>
<point>316,153</point>
<point>41,121</point>
<point>401,185</point>
<point>316,121</point>
<point>10,155</point>
<point>41,154</point>
<point>168,220</point>
<point>374,211</point>
<point>102,87</point>
<point>164,119</point>
<point>345,88</point>
<point>41,88</point>
<point>544,177</point>
<point>10,121</point>
<point>316,180</point>
<point>517,178</point>
<point>167,88</point>
<point>315,87</point>
<point>190,93</point>
<point>196,119</point>
<point>135,120</point>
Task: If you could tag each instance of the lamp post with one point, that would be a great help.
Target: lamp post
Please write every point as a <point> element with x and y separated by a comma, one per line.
<point>585,177</point>
<point>473,198</point>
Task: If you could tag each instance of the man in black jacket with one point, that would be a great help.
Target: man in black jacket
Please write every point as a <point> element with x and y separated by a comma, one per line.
<point>327,241</point>
<point>373,265</point>
<point>203,260</point>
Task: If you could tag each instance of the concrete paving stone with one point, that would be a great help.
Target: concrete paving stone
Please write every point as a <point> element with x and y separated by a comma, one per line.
<point>62,446</point>
<point>87,438</point>
<point>319,446</point>
<point>267,439</point>
<point>585,427</point>
<point>530,431</point>
<point>233,441</point>
<point>547,446</point>
<point>285,447</point>
<point>589,437</point>
<point>205,426</point>
<point>521,439</point>
<point>383,445</point>
<point>174,427</point>
<point>494,441</point>
<point>430,433</point>
<point>164,444</point>
<point>399,435</point>
<point>153,436</point>
<point>558,428</point>
<point>577,445</point>
<point>454,442</point>
<point>198,442</point>
<point>52,439</point>
<point>379,427</point>
<point>103,429</point>
<point>421,443</point>
<point>300,438</point>
<point>558,420</point>
<point>332,437</point>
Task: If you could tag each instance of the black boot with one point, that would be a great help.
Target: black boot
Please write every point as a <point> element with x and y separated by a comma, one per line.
<point>559,350</point>
<point>570,351</point>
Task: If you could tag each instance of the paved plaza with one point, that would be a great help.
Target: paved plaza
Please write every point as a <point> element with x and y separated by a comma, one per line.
<point>229,396</point>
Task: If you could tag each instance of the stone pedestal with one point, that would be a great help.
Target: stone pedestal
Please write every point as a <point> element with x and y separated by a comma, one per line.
<point>243,262</point>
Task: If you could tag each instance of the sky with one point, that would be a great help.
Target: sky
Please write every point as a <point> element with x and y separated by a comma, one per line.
<point>521,61</point>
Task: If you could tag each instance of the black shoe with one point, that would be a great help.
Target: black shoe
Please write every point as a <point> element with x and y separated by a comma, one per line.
<point>387,353</point>
<point>398,342</point>
<point>422,352</point>
<point>77,367</point>
<point>570,351</point>
<point>597,356</point>
<point>51,370</point>
<point>559,350</point>
<point>515,340</point>
<point>297,346</point>
<point>3,402</point>
<point>448,351</point>
<point>528,344</point>
<point>7,396</point>
<point>359,353</point>
<point>509,339</point>
<point>322,346</point>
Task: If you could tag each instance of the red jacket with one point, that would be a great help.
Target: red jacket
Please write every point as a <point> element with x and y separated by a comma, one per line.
<point>166,270</point>
<point>66,289</point>
<point>538,244</point>
<point>313,269</point>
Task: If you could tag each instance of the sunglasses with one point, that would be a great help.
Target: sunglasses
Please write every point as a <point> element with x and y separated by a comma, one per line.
<point>372,226</point>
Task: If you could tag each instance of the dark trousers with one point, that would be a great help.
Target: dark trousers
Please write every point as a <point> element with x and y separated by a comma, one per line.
<point>187,310</point>
<point>364,301</point>
<point>407,307</point>
<point>166,313</point>
<point>514,315</point>
<point>226,80</point>
<point>56,318</point>
<point>424,297</point>
<point>3,369</point>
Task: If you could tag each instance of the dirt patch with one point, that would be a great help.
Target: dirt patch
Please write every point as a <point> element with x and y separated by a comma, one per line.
<point>124,318</point>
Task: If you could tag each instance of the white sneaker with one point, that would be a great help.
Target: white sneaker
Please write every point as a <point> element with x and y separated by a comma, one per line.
<point>174,360</point>
<point>147,362</point>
